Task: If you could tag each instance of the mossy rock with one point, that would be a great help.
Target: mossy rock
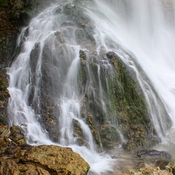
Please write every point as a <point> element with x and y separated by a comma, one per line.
<point>91,123</point>
<point>126,108</point>
<point>57,159</point>
<point>46,160</point>
<point>17,158</point>
<point>110,137</point>
<point>129,102</point>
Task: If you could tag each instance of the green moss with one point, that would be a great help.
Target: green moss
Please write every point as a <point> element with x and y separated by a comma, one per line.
<point>3,3</point>
<point>130,105</point>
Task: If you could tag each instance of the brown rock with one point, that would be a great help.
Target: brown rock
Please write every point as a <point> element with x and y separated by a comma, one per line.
<point>3,131</point>
<point>16,134</point>
<point>8,167</point>
<point>3,96</point>
<point>17,158</point>
<point>171,167</point>
<point>56,159</point>
<point>32,170</point>
<point>43,160</point>
<point>148,171</point>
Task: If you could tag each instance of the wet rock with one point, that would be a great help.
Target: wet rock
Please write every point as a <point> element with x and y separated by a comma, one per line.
<point>148,171</point>
<point>7,146</point>
<point>74,11</point>
<point>156,158</point>
<point>130,105</point>
<point>16,134</point>
<point>109,135</point>
<point>8,167</point>
<point>78,133</point>
<point>171,167</point>
<point>56,159</point>
<point>3,96</point>
<point>32,169</point>
<point>4,131</point>
<point>91,123</point>
<point>83,70</point>
<point>44,160</point>
<point>162,164</point>
<point>126,105</point>
<point>153,154</point>
<point>14,14</point>
<point>36,160</point>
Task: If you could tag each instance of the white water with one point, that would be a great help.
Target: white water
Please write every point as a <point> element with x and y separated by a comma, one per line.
<point>145,28</point>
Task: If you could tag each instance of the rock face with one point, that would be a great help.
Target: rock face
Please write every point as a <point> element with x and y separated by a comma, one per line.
<point>125,104</point>
<point>153,158</point>
<point>3,96</point>
<point>148,171</point>
<point>126,110</point>
<point>12,17</point>
<point>14,14</point>
<point>148,162</point>
<point>127,107</point>
<point>131,107</point>
<point>18,158</point>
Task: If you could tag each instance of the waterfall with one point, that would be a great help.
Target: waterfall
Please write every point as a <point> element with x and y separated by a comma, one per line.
<point>146,29</point>
<point>61,66</point>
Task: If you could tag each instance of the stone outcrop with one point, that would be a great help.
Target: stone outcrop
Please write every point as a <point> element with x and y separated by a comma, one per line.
<point>16,157</point>
<point>14,14</point>
<point>3,96</point>
<point>148,171</point>
<point>149,162</point>
<point>127,109</point>
<point>127,105</point>
<point>131,107</point>
<point>12,17</point>
<point>154,157</point>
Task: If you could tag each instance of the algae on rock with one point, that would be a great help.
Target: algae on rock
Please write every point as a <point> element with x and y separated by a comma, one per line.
<point>131,109</point>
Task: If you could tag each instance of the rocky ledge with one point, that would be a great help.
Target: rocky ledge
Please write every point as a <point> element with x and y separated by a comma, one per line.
<point>19,158</point>
<point>16,157</point>
<point>148,171</point>
<point>152,162</point>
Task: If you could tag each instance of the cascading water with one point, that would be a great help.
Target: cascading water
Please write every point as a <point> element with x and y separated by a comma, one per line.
<point>146,28</point>
<point>65,44</point>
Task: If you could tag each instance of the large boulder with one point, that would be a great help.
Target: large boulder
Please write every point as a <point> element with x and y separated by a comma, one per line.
<point>16,157</point>
<point>44,159</point>
<point>56,159</point>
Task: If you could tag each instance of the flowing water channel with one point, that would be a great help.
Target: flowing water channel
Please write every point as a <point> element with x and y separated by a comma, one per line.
<point>49,62</point>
